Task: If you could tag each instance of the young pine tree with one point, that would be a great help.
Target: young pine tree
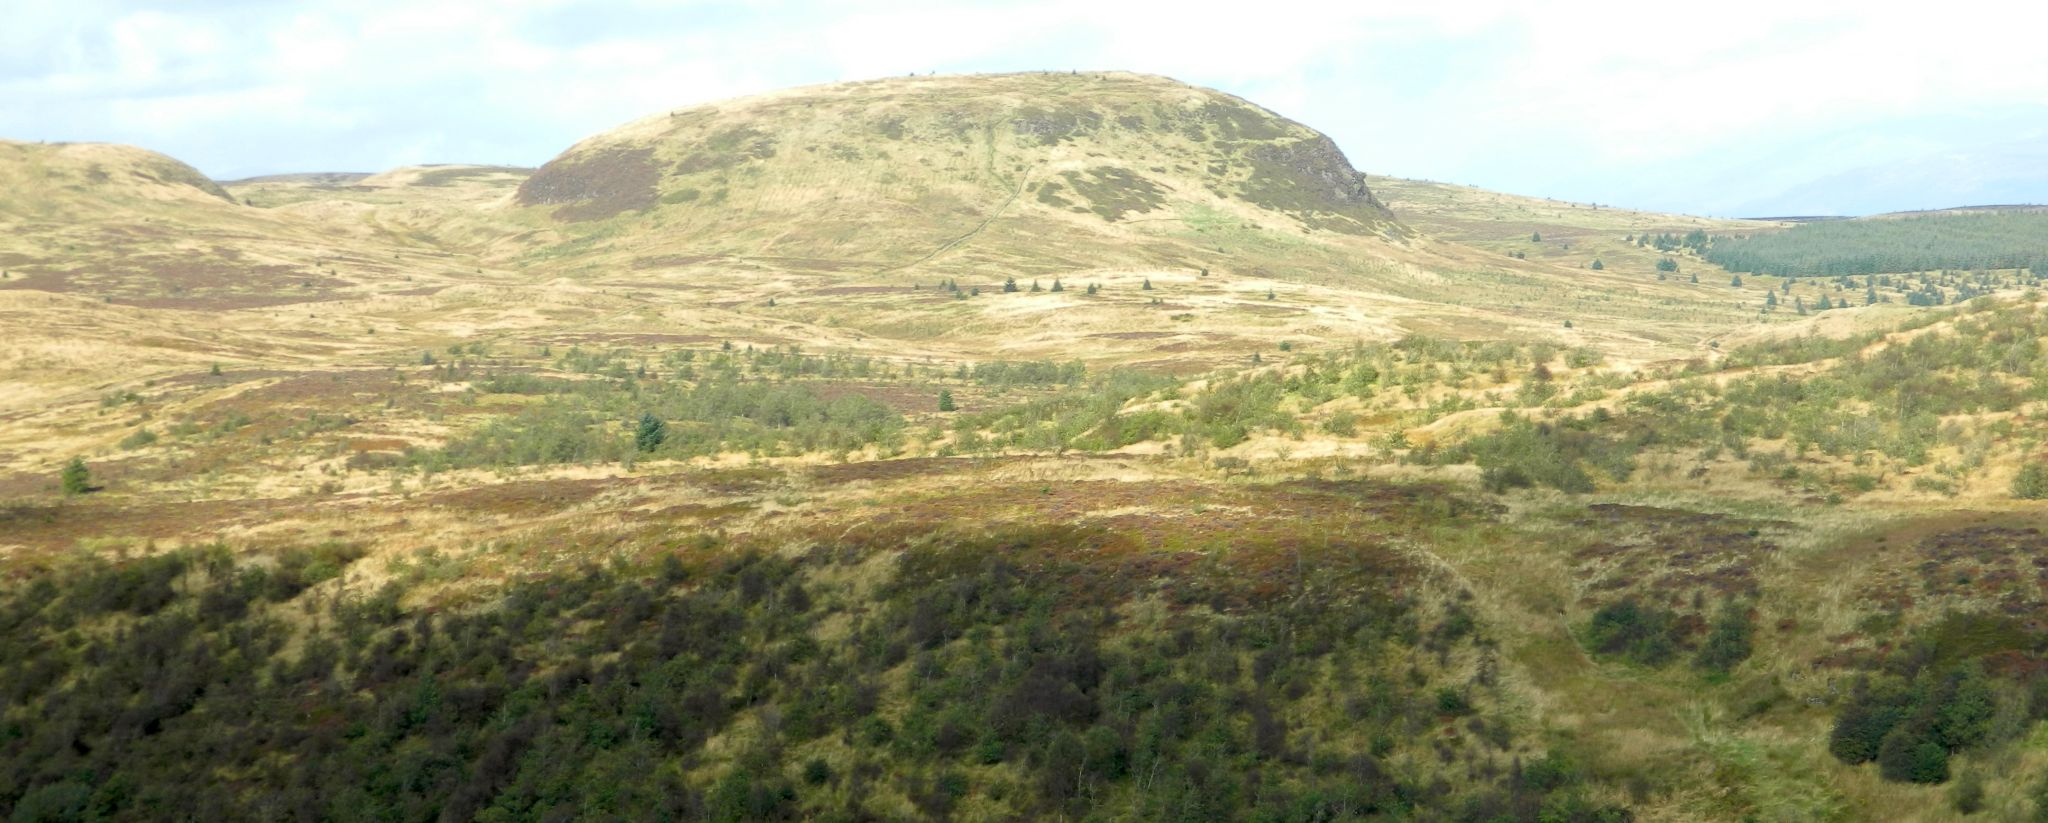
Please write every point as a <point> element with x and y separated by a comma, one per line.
<point>946,400</point>
<point>649,435</point>
<point>75,479</point>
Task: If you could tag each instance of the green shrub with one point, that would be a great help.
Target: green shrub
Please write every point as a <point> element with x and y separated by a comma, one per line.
<point>1967,797</point>
<point>1525,453</point>
<point>1640,633</point>
<point>1728,639</point>
<point>1875,707</point>
<point>1909,755</point>
<point>2032,481</point>
<point>75,478</point>
<point>650,433</point>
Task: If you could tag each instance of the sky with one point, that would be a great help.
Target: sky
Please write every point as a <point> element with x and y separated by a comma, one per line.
<point>1731,108</point>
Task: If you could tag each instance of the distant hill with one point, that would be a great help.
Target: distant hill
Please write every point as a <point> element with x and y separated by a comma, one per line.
<point>2015,172</point>
<point>317,178</point>
<point>124,225</point>
<point>2001,209</point>
<point>1041,171</point>
<point>52,181</point>
<point>1126,219</point>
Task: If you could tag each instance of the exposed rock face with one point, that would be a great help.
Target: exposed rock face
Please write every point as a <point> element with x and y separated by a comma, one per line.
<point>1321,171</point>
<point>1309,176</point>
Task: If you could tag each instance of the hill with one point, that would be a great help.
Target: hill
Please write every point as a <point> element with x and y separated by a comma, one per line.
<point>953,448</point>
<point>60,180</point>
<point>885,175</point>
<point>845,206</point>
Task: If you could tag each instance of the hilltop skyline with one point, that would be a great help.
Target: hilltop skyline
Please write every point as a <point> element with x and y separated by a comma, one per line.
<point>1757,109</point>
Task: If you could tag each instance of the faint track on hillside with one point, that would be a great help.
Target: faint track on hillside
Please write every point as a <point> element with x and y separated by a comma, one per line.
<point>990,160</point>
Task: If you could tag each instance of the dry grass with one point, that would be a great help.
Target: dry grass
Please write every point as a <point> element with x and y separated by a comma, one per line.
<point>846,206</point>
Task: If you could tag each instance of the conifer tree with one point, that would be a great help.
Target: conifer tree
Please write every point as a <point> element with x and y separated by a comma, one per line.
<point>651,432</point>
<point>75,479</point>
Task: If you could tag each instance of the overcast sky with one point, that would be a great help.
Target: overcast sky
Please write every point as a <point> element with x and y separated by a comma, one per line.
<point>1715,108</point>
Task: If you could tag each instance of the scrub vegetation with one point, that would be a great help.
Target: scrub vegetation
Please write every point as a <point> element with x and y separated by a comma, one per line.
<point>1045,446</point>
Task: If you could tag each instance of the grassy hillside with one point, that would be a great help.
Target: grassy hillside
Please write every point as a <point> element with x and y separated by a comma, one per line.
<point>882,176</point>
<point>1224,265</point>
<point>883,479</point>
<point>1290,573</point>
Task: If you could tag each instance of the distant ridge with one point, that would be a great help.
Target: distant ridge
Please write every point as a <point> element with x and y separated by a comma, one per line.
<point>316,178</point>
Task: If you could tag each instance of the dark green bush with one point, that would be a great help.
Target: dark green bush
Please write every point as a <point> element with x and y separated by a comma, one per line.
<point>1640,633</point>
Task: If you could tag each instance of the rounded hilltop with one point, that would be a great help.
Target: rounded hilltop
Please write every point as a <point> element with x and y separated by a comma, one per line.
<point>871,170</point>
<point>53,180</point>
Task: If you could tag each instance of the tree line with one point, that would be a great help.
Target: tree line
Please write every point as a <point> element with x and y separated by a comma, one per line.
<point>2007,240</point>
